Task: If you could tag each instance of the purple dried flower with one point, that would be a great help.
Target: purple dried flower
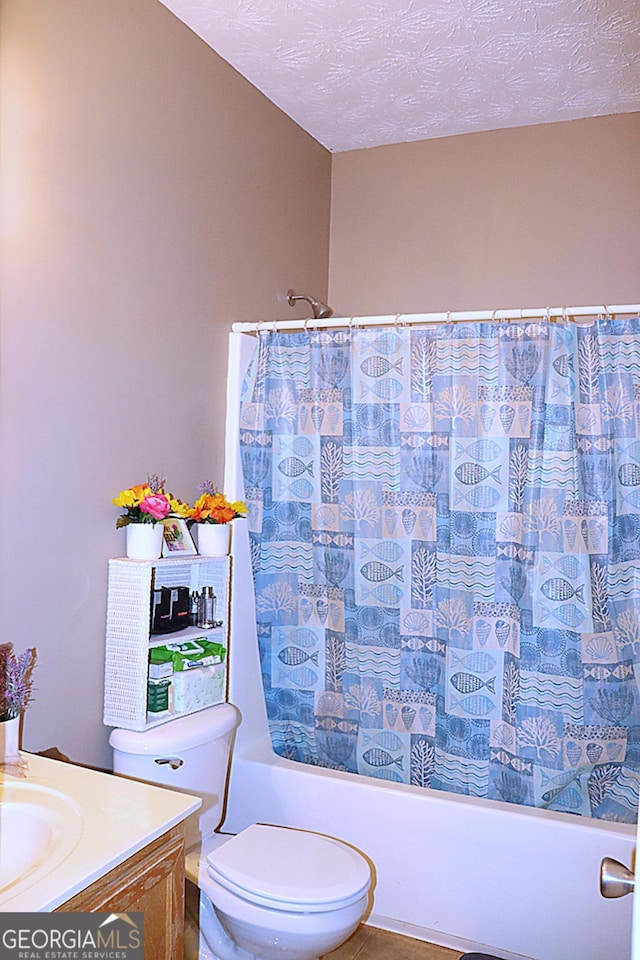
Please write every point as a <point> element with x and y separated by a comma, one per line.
<point>208,486</point>
<point>16,680</point>
<point>156,483</point>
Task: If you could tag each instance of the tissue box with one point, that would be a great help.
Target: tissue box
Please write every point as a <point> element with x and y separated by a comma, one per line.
<point>159,695</point>
<point>198,687</point>
<point>160,669</point>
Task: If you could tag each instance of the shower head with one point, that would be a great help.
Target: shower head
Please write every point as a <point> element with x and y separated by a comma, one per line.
<point>320,310</point>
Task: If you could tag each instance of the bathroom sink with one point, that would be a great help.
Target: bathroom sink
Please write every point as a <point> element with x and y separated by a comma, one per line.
<point>39,827</point>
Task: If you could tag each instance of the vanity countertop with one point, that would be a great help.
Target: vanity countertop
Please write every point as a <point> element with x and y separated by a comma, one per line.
<point>110,818</point>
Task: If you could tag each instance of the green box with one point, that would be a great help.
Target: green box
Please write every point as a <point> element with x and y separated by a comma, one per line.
<point>159,699</point>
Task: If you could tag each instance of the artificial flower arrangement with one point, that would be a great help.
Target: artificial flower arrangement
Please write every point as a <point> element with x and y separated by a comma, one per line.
<point>148,503</point>
<point>16,680</point>
<point>213,507</point>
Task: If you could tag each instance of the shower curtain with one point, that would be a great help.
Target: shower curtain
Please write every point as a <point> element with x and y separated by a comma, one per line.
<point>445,539</point>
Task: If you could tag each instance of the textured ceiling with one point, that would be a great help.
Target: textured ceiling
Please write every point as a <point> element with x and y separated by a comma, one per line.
<point>360,73</point>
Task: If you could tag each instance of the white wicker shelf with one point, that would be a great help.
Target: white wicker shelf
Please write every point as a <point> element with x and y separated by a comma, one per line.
<point>128,637</point>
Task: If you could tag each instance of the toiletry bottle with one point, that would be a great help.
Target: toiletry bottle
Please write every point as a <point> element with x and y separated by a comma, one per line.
<point>206,609</point>
<point>195,597</point>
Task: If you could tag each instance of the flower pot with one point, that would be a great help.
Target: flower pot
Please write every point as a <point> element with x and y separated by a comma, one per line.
<point>213,539</point>
<point>9,740</point>
<point>144,540</point>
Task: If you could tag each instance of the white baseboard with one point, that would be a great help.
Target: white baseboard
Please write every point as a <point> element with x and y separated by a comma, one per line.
<point>439,938</point>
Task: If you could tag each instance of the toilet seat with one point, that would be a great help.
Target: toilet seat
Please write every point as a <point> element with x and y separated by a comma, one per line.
<point>292,870</point>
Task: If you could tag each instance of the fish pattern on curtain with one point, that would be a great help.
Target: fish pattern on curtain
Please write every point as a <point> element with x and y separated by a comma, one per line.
<point>445,537</point>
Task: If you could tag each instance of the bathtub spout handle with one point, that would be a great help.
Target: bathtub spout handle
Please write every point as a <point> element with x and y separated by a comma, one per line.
<point>616,880</point>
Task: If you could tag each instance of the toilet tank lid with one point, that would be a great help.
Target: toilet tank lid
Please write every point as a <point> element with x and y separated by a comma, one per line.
<point>290,866</point>
<point>179,733</point>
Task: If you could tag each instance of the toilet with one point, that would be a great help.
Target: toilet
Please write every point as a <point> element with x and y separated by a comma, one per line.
<point>267,893</point>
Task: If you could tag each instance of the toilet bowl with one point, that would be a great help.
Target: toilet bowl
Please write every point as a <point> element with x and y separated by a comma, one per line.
<point>280,892</point>
<point>269,892</point>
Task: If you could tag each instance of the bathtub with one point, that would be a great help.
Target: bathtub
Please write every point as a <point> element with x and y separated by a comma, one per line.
<point>457,871</point>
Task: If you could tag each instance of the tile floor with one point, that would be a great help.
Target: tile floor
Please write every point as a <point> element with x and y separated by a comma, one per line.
<point>369,943</point>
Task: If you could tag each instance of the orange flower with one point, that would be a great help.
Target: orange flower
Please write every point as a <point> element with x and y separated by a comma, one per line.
<point>215,508</point>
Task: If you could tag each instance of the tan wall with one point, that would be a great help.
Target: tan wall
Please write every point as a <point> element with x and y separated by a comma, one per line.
<point>150,196</point>
<point>534,216</point>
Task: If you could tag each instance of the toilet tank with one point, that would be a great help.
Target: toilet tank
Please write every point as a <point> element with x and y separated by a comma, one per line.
<point>190,754</point>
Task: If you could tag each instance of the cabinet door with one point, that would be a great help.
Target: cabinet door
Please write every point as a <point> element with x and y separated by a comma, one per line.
<point>151,881</point>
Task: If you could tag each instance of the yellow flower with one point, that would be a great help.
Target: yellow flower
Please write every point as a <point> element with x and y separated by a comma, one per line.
<point>131,497</point>
<point>179,508</point>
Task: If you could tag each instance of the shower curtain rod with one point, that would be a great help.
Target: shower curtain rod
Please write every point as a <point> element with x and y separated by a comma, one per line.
<point>554,314</point>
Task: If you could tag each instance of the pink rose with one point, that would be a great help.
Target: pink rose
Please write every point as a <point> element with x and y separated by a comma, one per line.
<point>156,505</point>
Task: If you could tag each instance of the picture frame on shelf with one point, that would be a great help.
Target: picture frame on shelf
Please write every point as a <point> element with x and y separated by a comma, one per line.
<point>176,540</point>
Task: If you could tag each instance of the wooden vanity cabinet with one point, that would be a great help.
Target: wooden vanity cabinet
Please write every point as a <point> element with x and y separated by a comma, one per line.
<point>150,881</point>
